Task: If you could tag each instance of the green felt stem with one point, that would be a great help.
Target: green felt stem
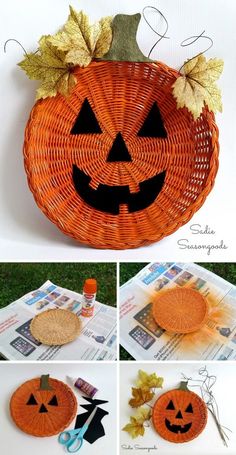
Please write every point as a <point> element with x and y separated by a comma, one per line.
<point>184,386</point>
<point>44,382</point>
<point>124,46</point>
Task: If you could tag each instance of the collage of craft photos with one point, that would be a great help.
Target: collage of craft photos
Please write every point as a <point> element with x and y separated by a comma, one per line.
<point>117,233</point>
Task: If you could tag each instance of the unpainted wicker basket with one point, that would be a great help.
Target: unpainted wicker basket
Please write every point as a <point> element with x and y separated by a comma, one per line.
<point>55,327</point>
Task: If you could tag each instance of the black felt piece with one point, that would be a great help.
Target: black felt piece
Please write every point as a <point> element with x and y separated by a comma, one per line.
<point>170,405</point>
<point>42,409</point>
<point>31,400</point>
<point>179,415</point>
<point>119,151</point>
<point>93,401</point>
<point>177,428</point>
<point>189,408</point>
<point>53,401</point>
<point>108,198</point>
<point>95,429</point>
<point>153,126</point>
<point>86,122</point>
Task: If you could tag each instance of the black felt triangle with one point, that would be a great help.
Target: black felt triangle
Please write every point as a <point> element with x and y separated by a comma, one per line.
<point>153,126</point>
<point>119,151</point>
<point>53,401</point>
<point>189,408</point>
<point>31,400</point>
<point>170,405</point>
<point>42,409</point>
<point>86,122</point>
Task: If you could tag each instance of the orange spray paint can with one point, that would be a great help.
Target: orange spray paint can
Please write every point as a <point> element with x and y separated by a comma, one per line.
<point>89,297</point>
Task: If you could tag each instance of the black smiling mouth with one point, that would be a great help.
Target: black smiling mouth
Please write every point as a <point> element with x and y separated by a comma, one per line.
<point>108,198</point>
<point>177,428</point>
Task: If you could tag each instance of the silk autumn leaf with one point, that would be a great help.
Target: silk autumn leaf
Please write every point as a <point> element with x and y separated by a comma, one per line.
<point>143,414</point>
<point>48,65</point>
<point>149,381</point>
<point>196,87</point>
<point>81,41</point>
<point>136,426</point>
<point>140,396</point>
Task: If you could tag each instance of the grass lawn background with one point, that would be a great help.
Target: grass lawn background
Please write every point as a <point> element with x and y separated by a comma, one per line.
<point>20,278</point>
<point>128,270</point>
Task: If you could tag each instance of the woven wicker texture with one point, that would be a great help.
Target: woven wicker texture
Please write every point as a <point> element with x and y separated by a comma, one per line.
<point>55,327</point>
<point>180,310</point>
<point>121,95</point>
<point>174,424</point>
<point>56,419</point>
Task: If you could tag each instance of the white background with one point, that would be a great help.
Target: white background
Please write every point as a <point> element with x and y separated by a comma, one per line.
<point>209,441</point>
<point>14,441</point>
<point>25,233</point>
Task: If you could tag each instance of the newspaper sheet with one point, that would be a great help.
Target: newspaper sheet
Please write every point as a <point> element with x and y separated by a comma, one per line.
<point>96,342</point>
<point>145,340</point>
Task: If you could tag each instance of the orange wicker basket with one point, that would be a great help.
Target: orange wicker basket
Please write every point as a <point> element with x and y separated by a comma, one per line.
<point>179,415</point>
<point>180,310</point>
<point>43,412</point>
<point>150,193</point>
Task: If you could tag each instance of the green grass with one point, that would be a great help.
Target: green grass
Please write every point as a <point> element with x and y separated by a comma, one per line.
<point>20,278</point>
<point>128,270</point>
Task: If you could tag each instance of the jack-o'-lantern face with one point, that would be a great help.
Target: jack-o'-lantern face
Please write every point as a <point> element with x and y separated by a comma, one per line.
<point>43,411</point>
<point>116,164</point>
<point>39,404</point>
<point>179,415</point>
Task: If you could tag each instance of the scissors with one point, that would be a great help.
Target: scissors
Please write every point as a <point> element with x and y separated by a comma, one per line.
<point>73,439</point>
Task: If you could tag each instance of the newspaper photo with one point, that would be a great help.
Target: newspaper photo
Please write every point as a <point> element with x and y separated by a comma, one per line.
<point>145,340</point>
<point>97,340</point>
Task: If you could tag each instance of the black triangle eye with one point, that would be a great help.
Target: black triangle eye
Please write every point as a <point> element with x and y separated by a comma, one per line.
<point>170,405</point>
<point>53,401</point>
<point>86,122</point>
<point>189,408</point>
<point>31,400</point>
<point>153,126</point>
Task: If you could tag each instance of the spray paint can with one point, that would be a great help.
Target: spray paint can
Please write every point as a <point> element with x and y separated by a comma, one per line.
<point>89,297</point>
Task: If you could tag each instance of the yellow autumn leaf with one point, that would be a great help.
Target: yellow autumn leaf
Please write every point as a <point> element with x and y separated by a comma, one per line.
<point>105,37</point>
<point>48,66</point>
<point>149,381</point>
<point>81,41</point>
<point>134,428</point>
<point>142,414</point>
<point>197,87</point>
<point>140,396</point>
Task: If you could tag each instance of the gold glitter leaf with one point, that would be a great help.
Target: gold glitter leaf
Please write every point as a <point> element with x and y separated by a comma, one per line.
<point>48,66</point>
<point>149,381</point>
<point>134,428</point>
<point>140,396</point>
<point>197,87</point>
<point>81,41</point>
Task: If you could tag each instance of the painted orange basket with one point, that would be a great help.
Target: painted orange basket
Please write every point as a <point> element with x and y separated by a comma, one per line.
<point>180,310</point>
<point>116,164</point>
<point>43,410</point>
<point>179,415</point>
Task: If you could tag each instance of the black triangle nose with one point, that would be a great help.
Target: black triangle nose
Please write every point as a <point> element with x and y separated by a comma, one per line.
<point>119,151</point>
<point>179,415</point>
<point>43,409</point>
